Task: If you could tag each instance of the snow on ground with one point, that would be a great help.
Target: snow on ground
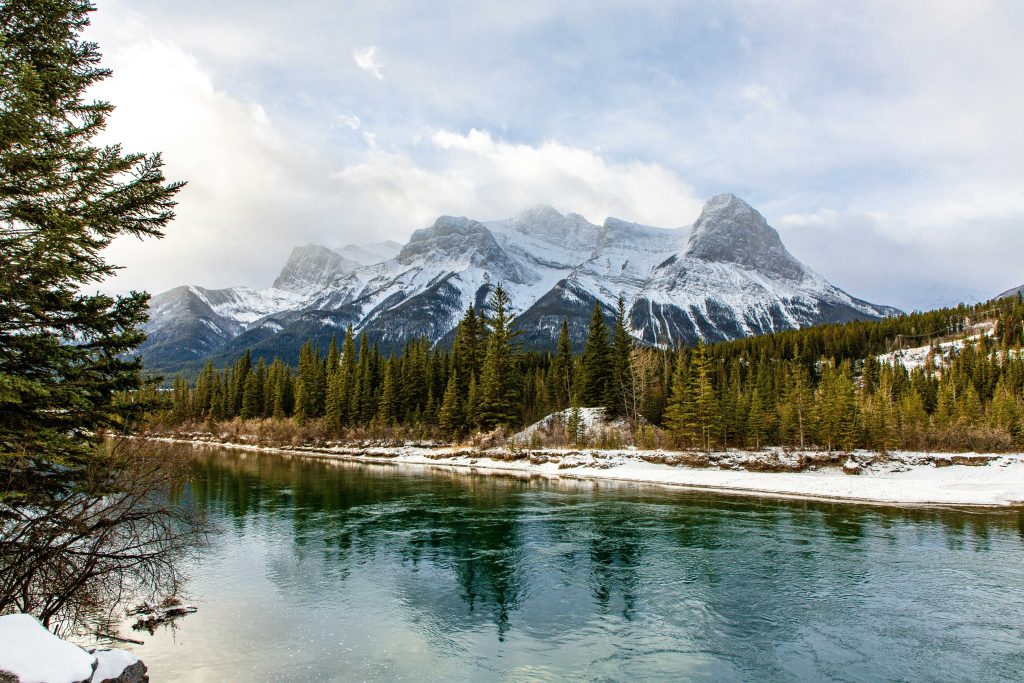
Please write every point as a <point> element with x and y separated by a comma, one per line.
<point>591,420</point>
<point>916,357</point>
<point>112,663</point>
<point>34,655</point>
<point>909,479</point>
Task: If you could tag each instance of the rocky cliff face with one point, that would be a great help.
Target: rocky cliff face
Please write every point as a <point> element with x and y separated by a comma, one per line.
<point>727,276</point>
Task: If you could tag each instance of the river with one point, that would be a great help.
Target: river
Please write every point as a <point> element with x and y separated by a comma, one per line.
<point>332,571</point>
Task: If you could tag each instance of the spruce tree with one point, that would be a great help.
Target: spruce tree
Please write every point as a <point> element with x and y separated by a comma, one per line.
<point>348,376</point>
<point>64,349</point>
<point>596,371</point>
<point>561,371</point>
<point>250,398</point>
<point>705,402</point>
<point>449,416</point>
<point>622,400</point>
<point>681,415</point>
<point>387,406</point>
<point>499,398</point>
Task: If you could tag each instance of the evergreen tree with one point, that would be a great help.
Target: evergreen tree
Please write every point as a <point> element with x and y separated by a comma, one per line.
<point>387,406</point>
<point>681,415</point>
<point>623,401</point>
<point>499,398</point>
<point>63,200</point>
<point>250,398</point>
<point>705,402</point>
<point>596,372</point>
<point>348,376</point>
<point>333,413</point>
<point>561,372</point>
<point>449,416</point>
<point>575,427</point>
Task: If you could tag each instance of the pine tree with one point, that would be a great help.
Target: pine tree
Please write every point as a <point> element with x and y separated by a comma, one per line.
<point>348,376</point>
<point>333,413</point>
<point>623,402</point>
<point>1004,412</point>
<point>596,372</point>
<point>575,428</point>
<point>250,397</point>
<point>240,374</point>
<point>681,413</point>
<point>499,397</point>
<point>472,409</point>
<point>756,420</point>
<point>561,371</point>
<point>63,200</point>
<point>802,401</point>
<point>387,406</point>
<point>705,403</point>
<point>203,399</point>
<point>449,415</point>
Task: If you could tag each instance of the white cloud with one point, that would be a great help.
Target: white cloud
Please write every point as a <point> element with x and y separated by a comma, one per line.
<point>477,175</point>
<point>366,59</point>
<point>245,182</point>
<point>350,121</point>
<point>882,140</point>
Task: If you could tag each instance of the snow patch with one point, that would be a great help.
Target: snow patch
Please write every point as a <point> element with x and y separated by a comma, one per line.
<point>33,654</point>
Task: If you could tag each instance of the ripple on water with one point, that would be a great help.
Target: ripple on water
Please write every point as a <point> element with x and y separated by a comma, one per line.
<point>345,572</point>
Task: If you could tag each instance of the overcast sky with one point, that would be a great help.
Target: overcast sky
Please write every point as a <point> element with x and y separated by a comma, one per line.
<point>883,140</point>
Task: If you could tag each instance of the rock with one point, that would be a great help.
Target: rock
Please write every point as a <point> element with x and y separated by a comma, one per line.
<point>118,666</point>
<point>851,466</point>
<point>972,460</point>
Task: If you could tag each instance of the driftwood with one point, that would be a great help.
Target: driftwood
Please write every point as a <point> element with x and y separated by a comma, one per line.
<point>148,617</point>
<point>122,639</point>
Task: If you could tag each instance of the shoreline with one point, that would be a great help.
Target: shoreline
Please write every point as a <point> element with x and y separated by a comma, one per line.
<point>914,480</point>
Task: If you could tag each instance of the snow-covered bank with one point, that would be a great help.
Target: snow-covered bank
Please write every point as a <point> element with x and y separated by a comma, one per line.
<point>898,478</point>
<point>31,654</point>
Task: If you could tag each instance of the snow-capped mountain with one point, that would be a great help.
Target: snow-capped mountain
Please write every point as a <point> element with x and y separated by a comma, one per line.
<point>1012,292</point>
<point>726,276</point>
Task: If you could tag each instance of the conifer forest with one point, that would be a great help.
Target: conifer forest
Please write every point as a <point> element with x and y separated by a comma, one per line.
<point>841,386</point>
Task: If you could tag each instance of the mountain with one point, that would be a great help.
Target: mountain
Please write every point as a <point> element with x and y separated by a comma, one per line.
<point>1012,292</point>
<point>727,276</point>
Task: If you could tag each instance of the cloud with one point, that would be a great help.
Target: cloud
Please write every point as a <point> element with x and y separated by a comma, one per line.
<point>882,140</point>
<point>365,59</point>
<point>350,121</point>
<point>248,188</point>
<point>479,175</point>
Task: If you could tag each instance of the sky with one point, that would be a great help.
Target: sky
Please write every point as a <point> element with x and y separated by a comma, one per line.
<point>881,139</point>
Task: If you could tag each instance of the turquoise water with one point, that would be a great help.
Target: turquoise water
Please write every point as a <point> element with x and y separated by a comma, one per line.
<point>325,571</point>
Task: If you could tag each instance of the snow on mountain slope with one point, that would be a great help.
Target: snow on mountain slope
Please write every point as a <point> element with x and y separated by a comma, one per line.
<point>368,254</point>
<point>726,276</point>
<point>1012,292</point>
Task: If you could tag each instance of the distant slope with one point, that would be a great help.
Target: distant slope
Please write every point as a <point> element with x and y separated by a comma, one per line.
<point>1012,292</point>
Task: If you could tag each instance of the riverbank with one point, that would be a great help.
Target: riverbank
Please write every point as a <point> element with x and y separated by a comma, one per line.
<point>896,478</point>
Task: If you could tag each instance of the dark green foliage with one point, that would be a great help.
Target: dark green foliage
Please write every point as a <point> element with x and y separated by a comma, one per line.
<point>63,350</point>
<point>769,391</point>
<point>499,395</point>
<point>596,371</point>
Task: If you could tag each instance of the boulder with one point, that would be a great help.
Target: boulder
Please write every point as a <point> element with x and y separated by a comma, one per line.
<point>851,466</point>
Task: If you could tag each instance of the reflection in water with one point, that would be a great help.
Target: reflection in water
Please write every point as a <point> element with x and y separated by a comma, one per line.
<point>337,571</point>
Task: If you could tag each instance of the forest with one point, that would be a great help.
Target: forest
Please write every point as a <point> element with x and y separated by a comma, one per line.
<point>831,387</point>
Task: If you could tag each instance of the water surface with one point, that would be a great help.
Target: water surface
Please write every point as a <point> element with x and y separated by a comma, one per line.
<point>330,571</point>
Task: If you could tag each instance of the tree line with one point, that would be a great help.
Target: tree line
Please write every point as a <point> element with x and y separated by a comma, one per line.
<point>821,387</point>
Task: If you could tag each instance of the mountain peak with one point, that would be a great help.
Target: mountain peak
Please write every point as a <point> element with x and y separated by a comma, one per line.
<point>312,266</point>
<point>538,212</point>
<point>731,231</point>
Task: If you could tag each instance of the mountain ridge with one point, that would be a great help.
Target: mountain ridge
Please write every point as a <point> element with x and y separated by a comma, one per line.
<point>726,276</point>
